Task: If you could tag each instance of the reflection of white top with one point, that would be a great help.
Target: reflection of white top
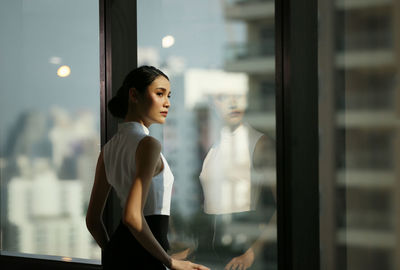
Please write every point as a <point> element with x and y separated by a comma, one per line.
<point>120,165</point>
<point>226,172</point>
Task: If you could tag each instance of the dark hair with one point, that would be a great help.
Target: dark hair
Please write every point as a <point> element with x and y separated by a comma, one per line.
<point>140,78</point>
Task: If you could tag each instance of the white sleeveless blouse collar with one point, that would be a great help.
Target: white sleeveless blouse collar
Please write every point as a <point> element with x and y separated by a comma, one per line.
<point>132,127</point>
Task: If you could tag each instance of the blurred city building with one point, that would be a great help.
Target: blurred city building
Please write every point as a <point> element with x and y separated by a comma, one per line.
<point>48,170</point>
<point>359,134</point>
<point>254,56</point>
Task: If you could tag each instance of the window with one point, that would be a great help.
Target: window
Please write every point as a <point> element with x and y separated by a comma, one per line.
<point>217,58</point>
<point>49,127</point>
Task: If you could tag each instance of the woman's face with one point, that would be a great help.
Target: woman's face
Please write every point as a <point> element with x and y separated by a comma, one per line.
<point>231,107</point>
<point>154,104</point>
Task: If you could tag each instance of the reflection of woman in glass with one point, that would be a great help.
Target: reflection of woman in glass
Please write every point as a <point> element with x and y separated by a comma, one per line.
<point>132,164</point>
<point>234,186</point>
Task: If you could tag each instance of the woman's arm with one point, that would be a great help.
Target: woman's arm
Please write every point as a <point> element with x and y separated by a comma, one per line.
<point>263,158</point>
<point>98,199</point>
<point>147,157</point>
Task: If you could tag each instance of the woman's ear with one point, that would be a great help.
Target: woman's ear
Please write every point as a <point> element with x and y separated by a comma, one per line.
<point>133,95</point>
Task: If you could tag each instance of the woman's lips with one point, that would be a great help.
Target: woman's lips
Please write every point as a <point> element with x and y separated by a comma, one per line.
<point>164,114</point>
<point>235,113</point>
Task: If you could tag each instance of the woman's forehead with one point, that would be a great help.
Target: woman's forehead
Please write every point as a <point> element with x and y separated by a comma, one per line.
<point>160,82</point>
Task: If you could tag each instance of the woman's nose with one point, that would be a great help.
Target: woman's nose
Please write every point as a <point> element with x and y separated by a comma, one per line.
<point>167,103</point>
<point>232,102</point>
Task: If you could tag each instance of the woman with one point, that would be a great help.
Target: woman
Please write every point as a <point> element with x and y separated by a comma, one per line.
<point>132,164</point>
<point>235,187</point>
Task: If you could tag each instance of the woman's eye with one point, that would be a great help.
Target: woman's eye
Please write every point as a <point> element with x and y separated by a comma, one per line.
<point>160,94</point>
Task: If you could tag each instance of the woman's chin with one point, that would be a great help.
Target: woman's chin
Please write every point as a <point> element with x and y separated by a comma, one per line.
<point>233,121</point>
<point>161,121</point>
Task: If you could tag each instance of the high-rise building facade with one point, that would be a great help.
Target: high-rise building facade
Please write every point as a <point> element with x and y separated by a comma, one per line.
<point>359,135</point>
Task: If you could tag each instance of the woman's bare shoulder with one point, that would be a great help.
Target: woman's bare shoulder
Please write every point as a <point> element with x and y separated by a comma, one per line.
<point>148,155</point>
<point>149,145</point>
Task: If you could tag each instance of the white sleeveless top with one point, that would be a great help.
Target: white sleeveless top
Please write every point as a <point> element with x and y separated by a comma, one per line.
<point>226,176</point>
<point>119,160</point>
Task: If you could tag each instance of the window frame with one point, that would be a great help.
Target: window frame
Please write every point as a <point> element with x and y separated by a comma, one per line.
<point>296,24</point>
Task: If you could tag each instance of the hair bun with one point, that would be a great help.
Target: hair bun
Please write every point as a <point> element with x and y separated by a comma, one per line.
<point>118,106</point>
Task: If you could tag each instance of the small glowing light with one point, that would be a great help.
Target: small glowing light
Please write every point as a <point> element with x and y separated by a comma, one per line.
<point>63,71</point>
<point>66,259</point>
<point>168,41</point>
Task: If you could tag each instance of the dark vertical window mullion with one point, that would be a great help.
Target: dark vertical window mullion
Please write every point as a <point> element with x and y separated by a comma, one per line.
<point>106,120</point>
<point>108,68</point>
<point>120,57</point>
<point>104,53</point>
<point>282,215</point>
<point>297,134</point>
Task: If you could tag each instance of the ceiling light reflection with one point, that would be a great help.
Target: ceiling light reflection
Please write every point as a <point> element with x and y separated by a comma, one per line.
<point>168,41</point>
<point>64,71</point>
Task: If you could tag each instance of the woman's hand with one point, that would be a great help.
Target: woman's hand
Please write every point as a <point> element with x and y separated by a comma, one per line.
<point>182,255</point>
<point>186,265</point>
<point>241,262</point>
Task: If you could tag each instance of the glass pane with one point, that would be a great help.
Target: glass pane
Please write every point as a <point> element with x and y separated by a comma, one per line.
<point>219,138</point>
<point>359,126</point>
<point>49,126</point>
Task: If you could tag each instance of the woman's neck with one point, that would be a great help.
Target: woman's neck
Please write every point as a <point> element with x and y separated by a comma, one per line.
<point>233,127</point>
<point>132,118</point>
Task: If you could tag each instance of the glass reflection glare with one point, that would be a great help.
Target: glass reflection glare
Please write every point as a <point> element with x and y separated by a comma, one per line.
<point>232,178</point>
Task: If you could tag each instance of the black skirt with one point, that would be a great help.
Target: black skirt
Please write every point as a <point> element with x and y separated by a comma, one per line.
<point>123,251</point>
